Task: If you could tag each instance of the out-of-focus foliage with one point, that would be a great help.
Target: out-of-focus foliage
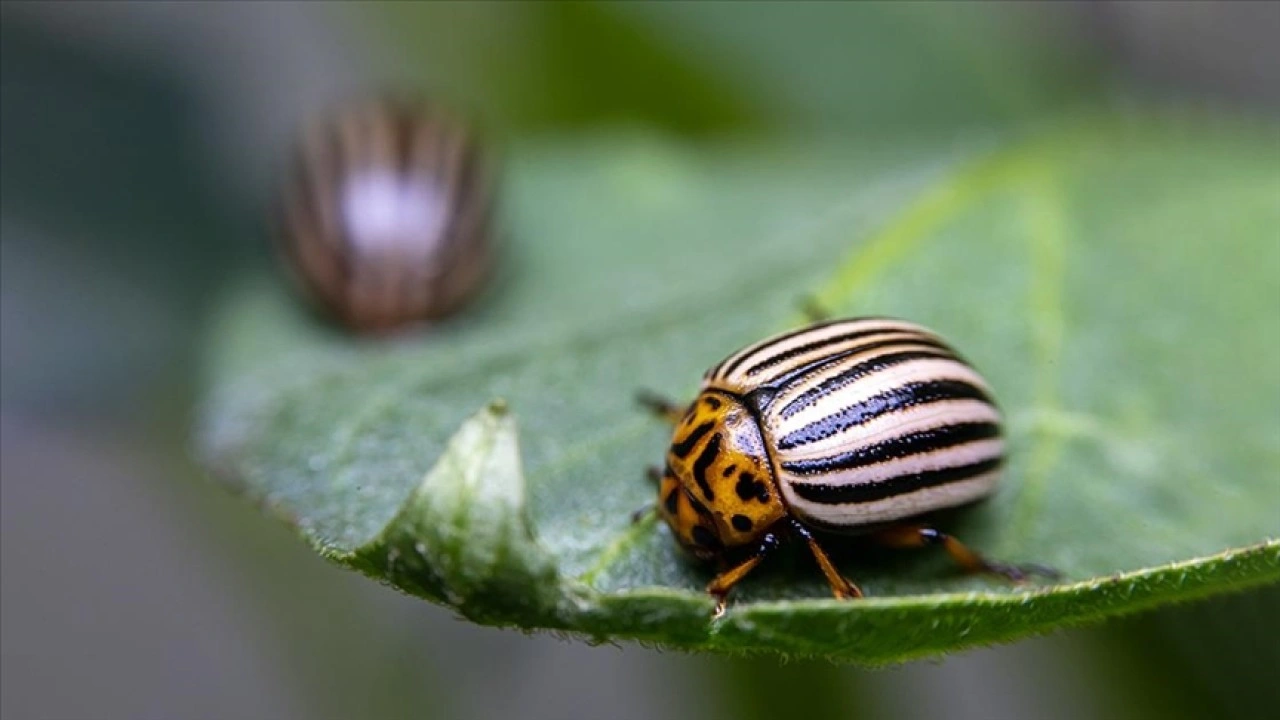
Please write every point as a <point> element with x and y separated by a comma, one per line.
<point>702,68</point>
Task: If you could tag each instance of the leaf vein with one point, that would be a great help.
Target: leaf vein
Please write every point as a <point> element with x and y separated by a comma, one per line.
<point>1045,217</point>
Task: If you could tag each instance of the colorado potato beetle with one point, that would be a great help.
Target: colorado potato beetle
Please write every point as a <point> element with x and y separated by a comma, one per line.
<point>844,426</point>
<point>384,214</point>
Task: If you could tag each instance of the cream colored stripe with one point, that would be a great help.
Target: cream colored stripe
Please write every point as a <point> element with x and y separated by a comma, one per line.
<point>914,371</point>
<point>894,508</point>
<point>770,348</point>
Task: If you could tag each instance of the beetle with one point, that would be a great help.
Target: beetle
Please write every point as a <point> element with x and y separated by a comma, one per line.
<point>384,213</point>
<point>854,426</point>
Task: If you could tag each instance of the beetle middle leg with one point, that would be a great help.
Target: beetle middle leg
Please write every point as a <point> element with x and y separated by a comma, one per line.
<point>842,587</point>
<point>661,406</point>
<point>654,474</point>
<point>918,536</point>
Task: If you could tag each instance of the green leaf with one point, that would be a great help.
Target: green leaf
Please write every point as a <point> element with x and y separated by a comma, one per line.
<point>1116,279</point>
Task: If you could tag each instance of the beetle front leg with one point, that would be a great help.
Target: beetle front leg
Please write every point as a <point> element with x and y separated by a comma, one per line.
<point>660,406</point>
<point>722,584</point>
<point>918,536</point>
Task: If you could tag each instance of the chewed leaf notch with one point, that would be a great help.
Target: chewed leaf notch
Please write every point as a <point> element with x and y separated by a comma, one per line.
<point>463,536</point>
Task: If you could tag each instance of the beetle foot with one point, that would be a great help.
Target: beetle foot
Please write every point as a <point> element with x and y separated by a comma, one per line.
<point>643,513</point>
<point>847,590</point>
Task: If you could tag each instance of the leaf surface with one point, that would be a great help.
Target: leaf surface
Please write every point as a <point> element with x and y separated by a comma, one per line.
<point>1117,280</point>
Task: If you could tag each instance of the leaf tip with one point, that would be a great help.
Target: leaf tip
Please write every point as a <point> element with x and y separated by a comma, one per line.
<point>464,531</point>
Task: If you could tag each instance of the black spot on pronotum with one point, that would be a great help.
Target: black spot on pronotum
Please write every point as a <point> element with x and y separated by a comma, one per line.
<point>741,523</point>
<point>703,463</point>
<point>673,500</point>
<point>705,538</point>
<point>711,402</point>
<point>749,487</point>
<point>730,470</point>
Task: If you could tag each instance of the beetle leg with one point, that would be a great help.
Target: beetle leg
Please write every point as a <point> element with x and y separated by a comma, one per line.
<point>720,586</point>
<point>918,536</point>
<point>660,406</point>
<point>842,587</point>
<point>654,473</point>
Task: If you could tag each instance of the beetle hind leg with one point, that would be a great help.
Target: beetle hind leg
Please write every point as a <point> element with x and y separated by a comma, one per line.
<point>969,560</point>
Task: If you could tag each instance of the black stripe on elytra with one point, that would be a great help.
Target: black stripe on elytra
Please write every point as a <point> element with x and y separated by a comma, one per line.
<point>307,197</point>
<point>759,400</point>
<point>301,203</point>
<point>460,192</point>
<point>817,365</point>
<point>846,494</point>
<point>685,446</point>
<point>892,400</point>
<point>403,126</point>
<point>855,373</point>
<point>799,350</point>
<point>344,249</point>
<point>723,370</point>
<point>915,443</point>
<point>462,237</point>
<point>338,169</point>
<point>700,466</point>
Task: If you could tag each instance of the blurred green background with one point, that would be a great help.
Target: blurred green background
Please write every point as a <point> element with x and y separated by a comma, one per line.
<point>138,145</point>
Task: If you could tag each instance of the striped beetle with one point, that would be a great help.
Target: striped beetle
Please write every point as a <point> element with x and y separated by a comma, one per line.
<point>384,214</point>
<point>846,426</point>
